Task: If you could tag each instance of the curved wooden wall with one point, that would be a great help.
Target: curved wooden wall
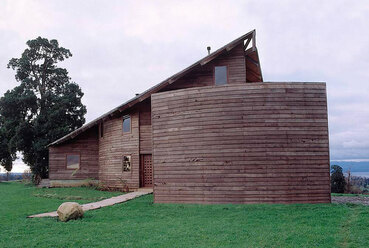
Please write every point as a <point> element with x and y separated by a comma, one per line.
<point>249,143</point>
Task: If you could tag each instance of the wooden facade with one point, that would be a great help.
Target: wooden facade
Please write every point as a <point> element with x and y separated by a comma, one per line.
<point>194,141</point>
<point>204,76</point>
<point>249,143</point>
<point>113,146</point>
<point>86,145</point>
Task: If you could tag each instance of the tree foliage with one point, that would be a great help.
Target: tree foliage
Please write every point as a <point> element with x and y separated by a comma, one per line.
<point>45,106</point>
<point>6,158</point>
<point>338,181</point>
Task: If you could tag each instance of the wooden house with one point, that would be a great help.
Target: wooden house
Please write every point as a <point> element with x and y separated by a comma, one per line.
<point>212,133</point>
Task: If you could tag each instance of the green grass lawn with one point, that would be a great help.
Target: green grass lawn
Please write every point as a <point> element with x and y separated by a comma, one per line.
<point>140,223</point>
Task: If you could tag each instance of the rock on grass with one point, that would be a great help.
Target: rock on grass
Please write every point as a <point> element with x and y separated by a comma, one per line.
<point>69,211</point>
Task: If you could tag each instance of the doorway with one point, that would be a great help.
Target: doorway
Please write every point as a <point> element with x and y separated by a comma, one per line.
<point>146,170</point>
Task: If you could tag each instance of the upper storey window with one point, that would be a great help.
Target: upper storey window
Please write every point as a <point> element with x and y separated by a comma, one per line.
<point>126,124</point>
<point>220,75</point>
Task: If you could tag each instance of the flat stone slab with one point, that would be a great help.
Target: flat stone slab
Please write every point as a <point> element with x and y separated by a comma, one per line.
<point>100,204</point>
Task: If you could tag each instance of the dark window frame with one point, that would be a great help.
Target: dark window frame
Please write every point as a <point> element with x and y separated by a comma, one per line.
<point>73,154</point>
<point>227,75</point>
<point>130,123</point>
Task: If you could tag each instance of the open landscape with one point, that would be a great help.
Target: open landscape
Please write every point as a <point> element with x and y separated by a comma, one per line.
<point>140,223</point>
<point>184,123</point>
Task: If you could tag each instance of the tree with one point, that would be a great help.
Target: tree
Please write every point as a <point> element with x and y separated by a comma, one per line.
<point>338,182</point>
<point>6,158</point>
<point>44,107</point>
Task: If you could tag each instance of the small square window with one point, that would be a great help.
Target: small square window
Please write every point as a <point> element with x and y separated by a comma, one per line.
<point>73,161</point>
<point>126,124</point>
<point>220,75</point>
<point>126,164</point>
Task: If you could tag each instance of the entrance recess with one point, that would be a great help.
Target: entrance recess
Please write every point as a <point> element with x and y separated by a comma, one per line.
<point>146,170</point>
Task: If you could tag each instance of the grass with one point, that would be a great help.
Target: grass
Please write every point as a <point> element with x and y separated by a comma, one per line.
<point>82,194</point>
<point>140,223</point>
<point>350,195</point>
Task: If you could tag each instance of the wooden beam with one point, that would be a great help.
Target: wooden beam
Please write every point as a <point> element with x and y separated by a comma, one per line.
<point>250,50</point>
<point>257,55</point>
<point>246,44</point>
<point>252,60</point>
<point>254,73</point>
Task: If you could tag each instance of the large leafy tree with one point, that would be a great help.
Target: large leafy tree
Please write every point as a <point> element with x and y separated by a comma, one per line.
<point>45,106</point>
<point>338,182</point>
<point>6,158</point>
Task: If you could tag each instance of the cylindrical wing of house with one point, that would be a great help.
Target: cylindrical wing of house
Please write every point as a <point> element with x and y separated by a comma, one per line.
<point>249,143</point>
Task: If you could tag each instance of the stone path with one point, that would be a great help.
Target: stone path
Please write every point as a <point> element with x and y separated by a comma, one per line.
<point>101,204</point>
<point>351,199</point>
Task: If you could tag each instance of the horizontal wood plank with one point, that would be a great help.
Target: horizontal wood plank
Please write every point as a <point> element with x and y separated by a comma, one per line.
<point>250,143</point>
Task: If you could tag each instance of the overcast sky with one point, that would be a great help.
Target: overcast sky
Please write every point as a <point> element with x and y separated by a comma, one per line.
<point>124,47</point>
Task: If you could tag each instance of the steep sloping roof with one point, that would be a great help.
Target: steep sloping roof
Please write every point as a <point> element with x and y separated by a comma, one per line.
<point>250,36</point>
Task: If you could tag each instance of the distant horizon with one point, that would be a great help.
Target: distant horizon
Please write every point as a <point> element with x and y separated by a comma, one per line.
<point>362,164</point>
<point>351,160</point>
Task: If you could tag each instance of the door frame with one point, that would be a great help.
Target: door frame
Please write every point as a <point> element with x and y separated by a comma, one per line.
<point>142,170</point>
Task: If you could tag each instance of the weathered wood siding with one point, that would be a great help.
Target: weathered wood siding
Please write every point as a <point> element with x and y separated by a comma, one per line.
<point>145,127</point>
<point>113,146</point>
<point>250,143</point>
<point>86,145</point>
<point>203,75</point>
<point>108,151</point>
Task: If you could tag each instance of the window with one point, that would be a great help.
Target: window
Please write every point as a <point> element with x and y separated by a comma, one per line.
<point>220,75</point>
<point>126,124</point>
<point>126,164</point>
<point>73,161</point>
<point>101,129</point>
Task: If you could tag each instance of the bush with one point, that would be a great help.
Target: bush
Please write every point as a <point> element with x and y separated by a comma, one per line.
<point>26,176</point>
<point>355,190</point>
<point>338,182</point>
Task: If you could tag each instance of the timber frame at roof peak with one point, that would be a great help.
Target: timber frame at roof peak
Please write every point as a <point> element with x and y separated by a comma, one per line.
<point>252,65</point>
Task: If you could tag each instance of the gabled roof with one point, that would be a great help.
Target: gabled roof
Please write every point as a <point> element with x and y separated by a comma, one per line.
<point>251,56</point>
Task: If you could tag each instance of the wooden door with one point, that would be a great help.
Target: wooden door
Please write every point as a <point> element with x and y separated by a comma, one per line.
<point>146,170</point>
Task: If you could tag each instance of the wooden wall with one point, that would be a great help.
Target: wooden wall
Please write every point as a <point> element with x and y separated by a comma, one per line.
<point>203,75</point>
<point>87,146</point>
<point>250,143</point>
<point>145,127</point>
<point>106,160</point>
<point>113,146</point>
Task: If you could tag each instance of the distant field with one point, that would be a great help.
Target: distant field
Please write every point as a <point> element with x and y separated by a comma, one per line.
<point>139,223</point>
<point>10,176</point>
